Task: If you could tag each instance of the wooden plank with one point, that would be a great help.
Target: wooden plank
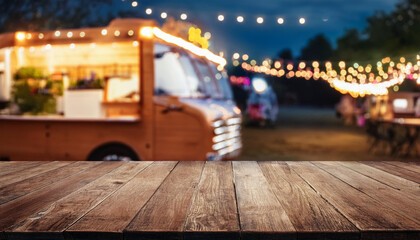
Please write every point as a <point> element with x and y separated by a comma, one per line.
<point>30,172</point>
<point>404,203</point>
<point>391,180</point>
<point>401,172</point>
<point>261,214</point>
<point>312,216</point>
<point>214,210</point>
<point>55,218</point>
<point>18,189</point>
<point>109,218</point>
<point>370,216</point>
<point>17,210</point>
<point>411,166</point>
<point>15,166</point>
<point>163,217</point>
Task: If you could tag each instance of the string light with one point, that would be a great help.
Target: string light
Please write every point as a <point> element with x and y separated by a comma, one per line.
<point>220,18</point>
<point>134,4</point>
<point>148,11</point>
<point>104,32</point>
<point>280,20</point>
<point>240,19</point>
<point>302,20</point>
<point>260,20</point>
<point>164,15</point>
<point>69,34</point>
<point>353,81</point>
<point>57,33</point>
<point>82,34</point>
<point>183,16</point>
<point>236,56</point>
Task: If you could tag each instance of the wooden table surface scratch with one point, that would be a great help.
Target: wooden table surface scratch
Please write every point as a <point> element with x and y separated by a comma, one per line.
<point>210,200</point>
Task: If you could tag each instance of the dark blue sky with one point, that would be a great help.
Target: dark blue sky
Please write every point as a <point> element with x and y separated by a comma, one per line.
<point>267,39</point>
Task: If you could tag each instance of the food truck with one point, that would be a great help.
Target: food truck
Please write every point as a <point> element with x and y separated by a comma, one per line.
<point>128,91</point>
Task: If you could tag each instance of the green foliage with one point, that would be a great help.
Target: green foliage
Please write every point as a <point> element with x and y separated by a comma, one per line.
<point>29,72</point>
<point>318,48</point>
<point>32,100</point>
<point>33,93</point>
<point>393,34</point>
<point>40,15</point>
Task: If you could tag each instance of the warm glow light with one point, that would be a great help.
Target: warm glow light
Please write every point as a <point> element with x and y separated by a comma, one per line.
<point>20,36</point>
<point>72,45</point>
<point>82,34</point>
<point>117,33</point>
<point>302,20</point>
<point>148,11</point>
<point>240,19</point>
<point>69,34</point>
<point>135,43</point>
<point>41,36</point>
<point>245,57</point>
<point>48,46</point>
<point>134,4</point>
<point>146,32</point>
<point>259,85</point>
<point>207,35</point>
<point>183,16</point>
<point>164,15</point>
<point>28,36</point>
<point>220,18</point>
<point>260,20</point>
<point>280,20</point>
<point>104,32</point>
<point>189,46</point>
<point>57,33</point>
<point>130,33</point>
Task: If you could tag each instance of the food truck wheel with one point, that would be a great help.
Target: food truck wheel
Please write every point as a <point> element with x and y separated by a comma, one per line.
<point>113,152</point>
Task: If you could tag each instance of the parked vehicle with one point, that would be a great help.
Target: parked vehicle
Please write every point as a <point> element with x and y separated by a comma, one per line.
<point>262,107</point>
<point>128,91</point>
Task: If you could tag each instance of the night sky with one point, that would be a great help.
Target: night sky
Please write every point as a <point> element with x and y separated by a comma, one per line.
<point>330,17</point>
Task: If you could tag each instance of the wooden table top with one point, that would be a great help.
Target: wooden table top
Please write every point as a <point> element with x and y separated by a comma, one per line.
<point>209,200</point>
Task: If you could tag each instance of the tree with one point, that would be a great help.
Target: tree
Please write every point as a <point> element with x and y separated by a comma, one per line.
<point>286,55</point>
<point>38,15</point>
<point>318,48</point>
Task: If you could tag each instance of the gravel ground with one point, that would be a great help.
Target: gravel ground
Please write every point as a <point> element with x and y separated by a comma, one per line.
<point>310,134</point>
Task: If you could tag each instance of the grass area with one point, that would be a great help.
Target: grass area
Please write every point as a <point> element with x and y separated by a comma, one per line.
<point>309,134</point>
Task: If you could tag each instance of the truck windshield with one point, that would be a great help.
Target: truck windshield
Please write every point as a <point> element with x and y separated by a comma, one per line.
<point>175,74</point>
<point>222,79</point>
<point>212,89</point>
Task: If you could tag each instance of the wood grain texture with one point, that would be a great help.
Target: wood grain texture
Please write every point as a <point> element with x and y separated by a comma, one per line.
<point>109,218</point>
<point>14,167</point>
<point>401,172</point>
<point>411,166</point>
<point>165,214</point>
<point>21,208</point>
<point>18,189</point>
<point>30,172</point>
<point>393,181</point>
<point>367,214</point>
<point>213,209</point>
<point>261,214</point>
<point>311,215</point>
<point>388,196</point>
<point>58,216</point>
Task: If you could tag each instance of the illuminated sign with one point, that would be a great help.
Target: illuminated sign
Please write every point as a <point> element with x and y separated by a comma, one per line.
<point>194,36</point>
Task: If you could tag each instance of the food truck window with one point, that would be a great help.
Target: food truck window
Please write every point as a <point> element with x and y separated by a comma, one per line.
<point>207,77</point>
<point>197,87</point>
<point>222,79</point>
<point>170,78</point>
